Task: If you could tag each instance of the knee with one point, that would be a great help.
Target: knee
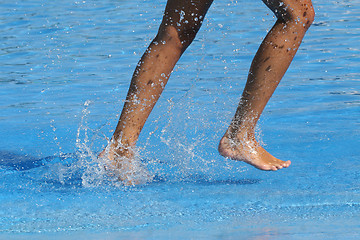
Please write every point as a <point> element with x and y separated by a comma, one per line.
<point>302,17</point>
<point>187,34</point>
<point>168,35</point>
<point>306,16</point>
<point>299,13</point>
<point>179,34</point>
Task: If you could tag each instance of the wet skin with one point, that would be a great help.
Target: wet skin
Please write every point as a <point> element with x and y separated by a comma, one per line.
<point>181,22</point>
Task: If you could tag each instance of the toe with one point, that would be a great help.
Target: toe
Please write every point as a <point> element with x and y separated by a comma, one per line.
<point>287,163</point>
<point>274,168</point>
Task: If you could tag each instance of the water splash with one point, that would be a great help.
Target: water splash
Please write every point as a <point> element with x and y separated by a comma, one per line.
<point>126,171</point>
<point>99,171</point>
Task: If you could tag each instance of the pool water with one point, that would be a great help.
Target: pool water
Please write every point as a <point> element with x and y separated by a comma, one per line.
<point>64,72</point>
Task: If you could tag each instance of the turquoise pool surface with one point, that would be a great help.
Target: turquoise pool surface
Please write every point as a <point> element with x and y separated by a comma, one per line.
<point>65,67</point>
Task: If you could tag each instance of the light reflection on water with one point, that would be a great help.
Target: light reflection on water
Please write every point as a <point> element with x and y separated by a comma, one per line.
<point>57,56</point>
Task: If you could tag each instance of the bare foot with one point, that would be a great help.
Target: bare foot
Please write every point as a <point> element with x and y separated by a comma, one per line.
<point>112,152</point>
<point>248,150</point>
<point>121,164</point>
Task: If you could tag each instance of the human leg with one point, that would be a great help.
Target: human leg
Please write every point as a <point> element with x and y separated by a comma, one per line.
<point>181,22</point>
<point>268,67</point>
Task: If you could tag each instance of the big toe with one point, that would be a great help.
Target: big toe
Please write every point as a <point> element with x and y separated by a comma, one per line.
<point>287,163</point>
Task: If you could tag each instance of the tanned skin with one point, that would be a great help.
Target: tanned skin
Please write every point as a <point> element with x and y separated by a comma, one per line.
<point>181,22</point>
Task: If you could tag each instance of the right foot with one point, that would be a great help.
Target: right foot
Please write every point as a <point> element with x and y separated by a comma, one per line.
<point>248,150</point>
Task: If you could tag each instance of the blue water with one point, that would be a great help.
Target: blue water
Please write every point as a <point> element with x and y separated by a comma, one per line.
<point>64,72</point>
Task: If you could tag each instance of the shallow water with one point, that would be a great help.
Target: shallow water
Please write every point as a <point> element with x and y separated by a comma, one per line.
<point>64,72</point>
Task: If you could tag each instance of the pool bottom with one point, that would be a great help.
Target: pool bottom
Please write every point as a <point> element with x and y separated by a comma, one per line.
<point>279,207</point>
<point>45,198</point>
<point>262,225</point>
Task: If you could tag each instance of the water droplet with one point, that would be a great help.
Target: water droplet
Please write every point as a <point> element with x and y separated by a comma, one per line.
<point>182,14</point>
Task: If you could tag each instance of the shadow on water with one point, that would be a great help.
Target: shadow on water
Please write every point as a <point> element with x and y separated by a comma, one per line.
<point>19,162</point>
<point>206,181</point>
<point>49,172</point>
<point>66,170</point>
<point>232,182</point>
<point>22,162</point>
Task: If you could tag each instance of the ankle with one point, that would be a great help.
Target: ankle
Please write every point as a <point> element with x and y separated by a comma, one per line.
<point>240,134</point>
<point>120,149</point>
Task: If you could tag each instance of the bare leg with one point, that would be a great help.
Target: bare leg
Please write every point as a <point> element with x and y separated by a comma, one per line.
<point>181,22</point>
<point>268,67</point>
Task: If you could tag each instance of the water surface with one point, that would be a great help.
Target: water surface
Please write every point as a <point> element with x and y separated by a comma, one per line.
<point>64,72</point>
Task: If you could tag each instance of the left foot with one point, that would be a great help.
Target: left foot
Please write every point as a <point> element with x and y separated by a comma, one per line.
<point>121,163</point>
